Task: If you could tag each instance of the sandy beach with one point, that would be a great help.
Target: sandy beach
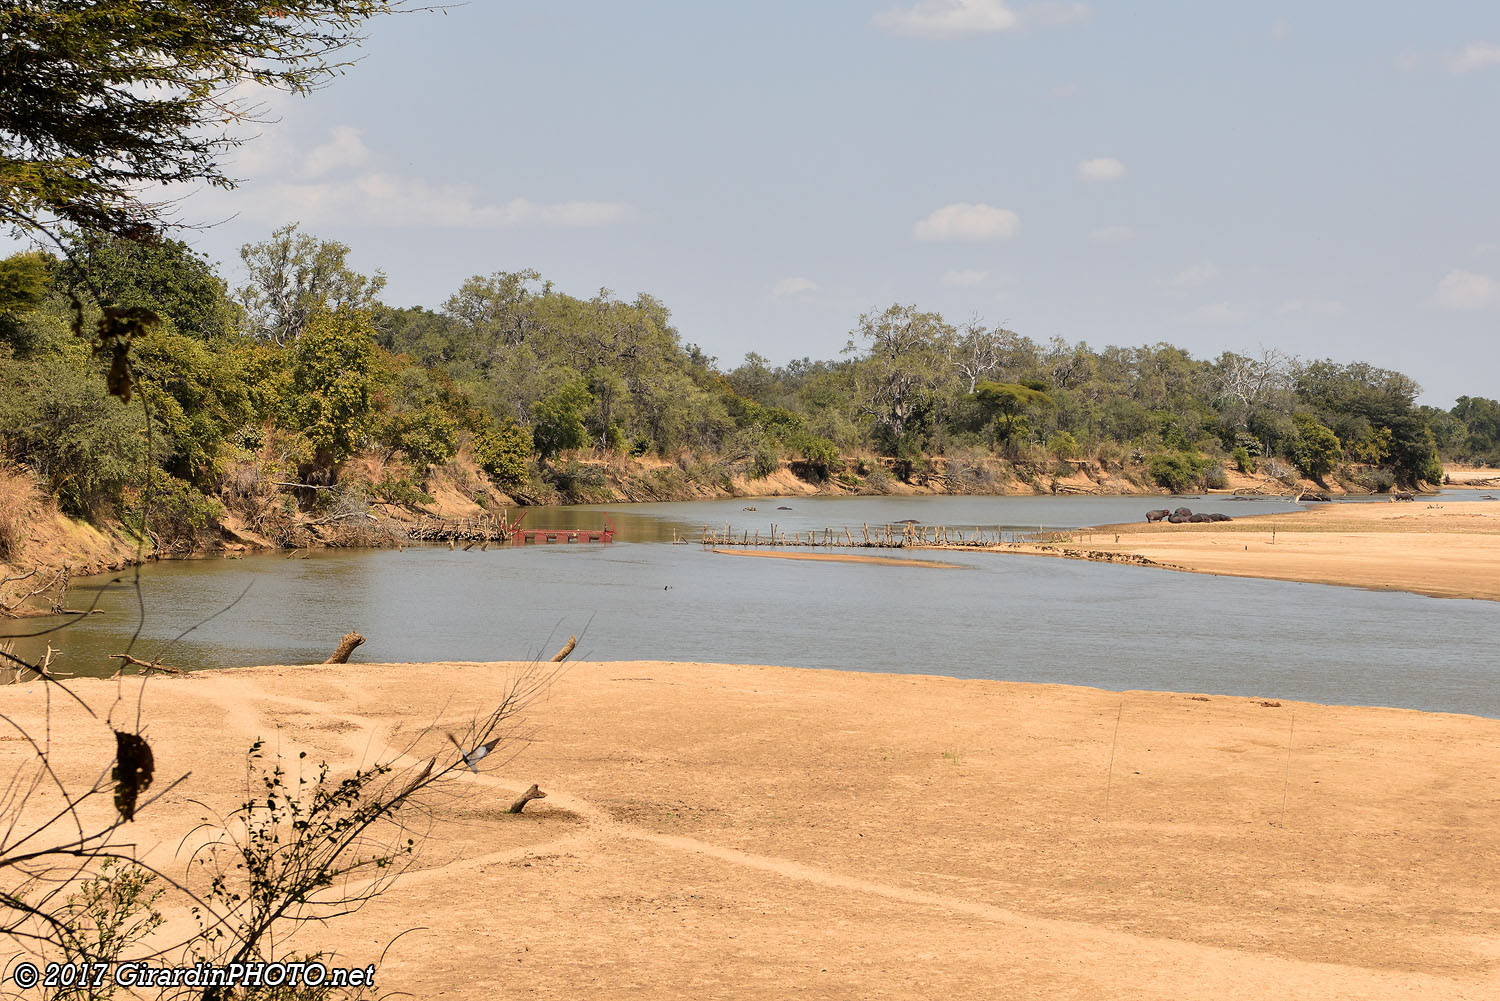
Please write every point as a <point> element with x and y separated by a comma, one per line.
<point>1447,550</point>
<point>760,832</point>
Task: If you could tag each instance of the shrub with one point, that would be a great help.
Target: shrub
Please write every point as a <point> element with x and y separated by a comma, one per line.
<point>1243,460</point>
<point>1177,471</point>
<point>1064,445</point>
<point>765,460</point>
<point>1215,477</point>
<point>1316,448</point>
<point>502,448</point>
<point>820,454</point>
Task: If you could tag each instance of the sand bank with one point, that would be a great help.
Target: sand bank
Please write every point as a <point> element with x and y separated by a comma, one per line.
<point>1447,550</point>
<point>890,561</point>
<point>759,832</point>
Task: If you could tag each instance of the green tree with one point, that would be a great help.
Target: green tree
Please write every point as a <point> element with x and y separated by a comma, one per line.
<point>102,102</point>
<point>164,276</point>
<point>502,448</point>
<point>1011,402</point>
<point>333,377</point>
<point>294,276</point>
<point>906,361</point>
<point>557,422</point>
<point>1317,448</point>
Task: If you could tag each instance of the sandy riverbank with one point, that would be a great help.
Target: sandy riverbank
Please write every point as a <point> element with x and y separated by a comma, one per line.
<point>1447,550</point>
<point>758,832</point>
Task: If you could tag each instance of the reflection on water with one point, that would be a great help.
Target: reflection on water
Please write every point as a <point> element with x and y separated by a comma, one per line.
<point>1007,617</point>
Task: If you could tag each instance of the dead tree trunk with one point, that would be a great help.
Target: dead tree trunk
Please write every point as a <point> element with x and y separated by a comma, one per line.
<point>567,648</point>
<point>346,647</point>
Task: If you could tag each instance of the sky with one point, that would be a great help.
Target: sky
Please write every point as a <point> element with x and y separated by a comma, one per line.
<point>1318,177</point>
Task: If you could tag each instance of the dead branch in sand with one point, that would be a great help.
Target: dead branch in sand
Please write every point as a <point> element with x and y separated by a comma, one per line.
<point>146,666</point>
<point>346,647</point>
<point>567,648</point>
<point>527,797</point>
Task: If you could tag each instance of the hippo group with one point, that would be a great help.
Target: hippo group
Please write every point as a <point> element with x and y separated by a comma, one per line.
<point>1184,516</point>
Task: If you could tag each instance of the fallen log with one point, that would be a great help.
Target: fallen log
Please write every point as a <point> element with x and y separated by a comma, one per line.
<point>346,647</point>
<point>527,797</point>
<point>146,666</point>
<point>562,654</point>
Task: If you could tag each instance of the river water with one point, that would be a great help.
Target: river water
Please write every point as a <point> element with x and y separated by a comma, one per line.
<point>999,616</point>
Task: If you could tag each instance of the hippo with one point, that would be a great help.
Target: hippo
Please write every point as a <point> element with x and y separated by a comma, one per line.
<point>1157,515</point>
<point>906,521</point>
<point>1216,516</point>
<point>1198,519</point>
<point>1402,495</point>
<point>1177,519</point>
<point>1186,512</point>
<point>783,508</point>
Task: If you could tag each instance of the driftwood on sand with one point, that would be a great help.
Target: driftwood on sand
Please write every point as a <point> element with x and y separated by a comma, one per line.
<point>146,666</point>
<point>567,648</point>
<point>346,647</point>
<point>527,797</point>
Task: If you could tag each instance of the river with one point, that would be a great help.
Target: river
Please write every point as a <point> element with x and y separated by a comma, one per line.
<point>999,616</point>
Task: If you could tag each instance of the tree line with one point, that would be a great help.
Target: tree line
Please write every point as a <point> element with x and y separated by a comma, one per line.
<point>287,376</point>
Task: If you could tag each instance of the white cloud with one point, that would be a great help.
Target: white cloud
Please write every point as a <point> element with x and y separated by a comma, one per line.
<point>1198,275</point>
<point>1280,29</point>
<point>965,278</point>
<point>1104,168</point>
<point>1464,290</point>
<point>968,221</point>
<point>1055,15</point>
<point>1476,56</point>
<point>962,18</point>
<point>793,286</point>
<point>1112,234</point>
<point>1312,309</point>
<point>948,18</point>
<point>1219,312</point>
<point>391,201</point>
<point>344,148</point>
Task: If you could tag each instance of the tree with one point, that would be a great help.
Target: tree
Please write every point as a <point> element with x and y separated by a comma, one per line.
<point>500,310</point>
<point>977,352</point>
<point>1011,401</point>
<point>332,382</point>
<point>164,276</point>
<point>102,103</point>
<point>1317,448</point>
<point>907,356</point>
<point>558,419</point>
<point>294,275</point>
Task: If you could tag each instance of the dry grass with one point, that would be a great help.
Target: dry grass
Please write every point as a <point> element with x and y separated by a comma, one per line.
<point>19,504</point>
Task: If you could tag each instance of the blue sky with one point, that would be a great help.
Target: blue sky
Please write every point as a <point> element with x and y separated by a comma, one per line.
<point>1318,177</point>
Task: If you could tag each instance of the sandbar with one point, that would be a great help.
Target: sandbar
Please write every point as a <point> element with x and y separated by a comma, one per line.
<point>1446,550</point>
<point>760,832</point>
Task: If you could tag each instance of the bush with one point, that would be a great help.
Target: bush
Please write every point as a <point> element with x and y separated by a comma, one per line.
<point>502,448</point>
<point>1215,477</point>
<point>820,454</point>
<point>765,460</point>
<point>1243,460</point>
<point>1316,448</point>
<point>1064,445</point>
<point>175,515</point>
<point>1177,471</point>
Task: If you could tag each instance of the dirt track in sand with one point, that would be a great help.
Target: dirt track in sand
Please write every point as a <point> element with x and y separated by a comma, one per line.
<point>753,832</point>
